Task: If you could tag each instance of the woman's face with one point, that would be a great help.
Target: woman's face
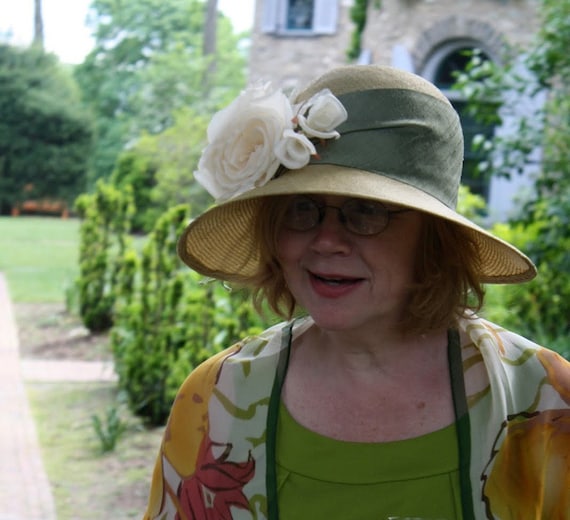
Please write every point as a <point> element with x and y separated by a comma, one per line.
<point>345,280</point>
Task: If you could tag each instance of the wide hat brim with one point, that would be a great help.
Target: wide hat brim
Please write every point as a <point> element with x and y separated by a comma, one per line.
<point>220,243</point>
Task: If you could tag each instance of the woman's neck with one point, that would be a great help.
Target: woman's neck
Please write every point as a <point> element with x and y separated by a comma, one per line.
<point>383,389</point>
<point>382,350</point>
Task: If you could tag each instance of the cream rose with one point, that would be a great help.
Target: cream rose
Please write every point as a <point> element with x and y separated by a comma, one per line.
<point>321,114</point>
<point>294,150</point>
<point>259,131</point>
<point>240,154</point>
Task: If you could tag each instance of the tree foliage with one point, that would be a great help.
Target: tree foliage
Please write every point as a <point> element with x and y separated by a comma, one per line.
<point>45,134</point>
<point>135,172</point>
<point>160,169</point>
<point>148,63</point>
<point>539,81</point>
<point>358,16</point>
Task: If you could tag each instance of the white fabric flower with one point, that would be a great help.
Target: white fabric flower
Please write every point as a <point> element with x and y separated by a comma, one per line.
<point>294,150</point>
<point>259,131</point>
<point>241,140</point>
<point>325,113</point>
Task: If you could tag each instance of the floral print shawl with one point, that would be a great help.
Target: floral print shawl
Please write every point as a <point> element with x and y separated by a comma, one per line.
<point>217,456</point>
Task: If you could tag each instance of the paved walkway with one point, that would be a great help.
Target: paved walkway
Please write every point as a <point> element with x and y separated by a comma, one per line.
<point>25,492</point>
<point>48,371</point>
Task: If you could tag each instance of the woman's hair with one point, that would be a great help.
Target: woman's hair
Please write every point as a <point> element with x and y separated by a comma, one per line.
<point>447,280</point>
<point>446,284</point>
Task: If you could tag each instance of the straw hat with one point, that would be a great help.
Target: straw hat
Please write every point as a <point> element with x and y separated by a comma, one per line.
<point>361,131</point>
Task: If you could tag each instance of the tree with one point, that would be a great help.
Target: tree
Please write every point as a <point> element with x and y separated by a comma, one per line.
<point>148,62</point>
<point>542,308</point>
<point>45,133</point>
<point>38,24</point>
<point>159,169</point>
<point>174,155</point>
<point>209,40</point>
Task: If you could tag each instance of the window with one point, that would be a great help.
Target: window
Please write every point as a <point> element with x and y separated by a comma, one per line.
<point>300,17</point>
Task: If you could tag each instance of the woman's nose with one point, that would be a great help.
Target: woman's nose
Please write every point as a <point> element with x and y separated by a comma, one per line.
<point>331,235</point>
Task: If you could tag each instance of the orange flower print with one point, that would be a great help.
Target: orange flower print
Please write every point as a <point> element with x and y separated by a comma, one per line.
<point>216,485</point>
<point>530,476</point>
<point>558,370</point>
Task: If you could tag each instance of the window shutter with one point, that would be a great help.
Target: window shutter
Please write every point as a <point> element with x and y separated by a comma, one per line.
<point>325,16</point>
<point>269,21</point>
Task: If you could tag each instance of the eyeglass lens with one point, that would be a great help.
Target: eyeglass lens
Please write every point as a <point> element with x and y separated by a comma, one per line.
<point>360,216</point>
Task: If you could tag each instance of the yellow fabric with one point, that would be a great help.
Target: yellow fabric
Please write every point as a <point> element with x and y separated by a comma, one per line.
<point>188,421</point>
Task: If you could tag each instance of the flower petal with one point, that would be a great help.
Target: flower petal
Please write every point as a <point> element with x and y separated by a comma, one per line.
<point>321,114</point>
<point>294,150</point>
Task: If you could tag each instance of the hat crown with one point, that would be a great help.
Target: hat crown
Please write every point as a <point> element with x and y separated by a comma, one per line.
<point>399,126</point>
<point>356,78</point>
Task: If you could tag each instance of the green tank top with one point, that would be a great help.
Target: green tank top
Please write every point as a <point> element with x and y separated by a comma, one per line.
<point>323,478</point>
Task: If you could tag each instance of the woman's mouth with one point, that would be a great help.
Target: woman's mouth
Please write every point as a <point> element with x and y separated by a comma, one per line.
<point>333,286</point>
<point>334,280</point>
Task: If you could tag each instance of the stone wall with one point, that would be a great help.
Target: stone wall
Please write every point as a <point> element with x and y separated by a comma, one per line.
<point>421,26</point>
<point>292,61</point>
<point>418,27</point>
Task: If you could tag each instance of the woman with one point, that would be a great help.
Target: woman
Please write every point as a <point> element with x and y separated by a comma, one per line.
<point>390,398</point>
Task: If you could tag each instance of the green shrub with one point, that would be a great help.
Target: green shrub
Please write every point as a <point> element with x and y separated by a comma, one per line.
<point>470,204</point>
<point>136,172</point>
<point>169,319</point>
<point>539,309</point>
<point>104,235</point>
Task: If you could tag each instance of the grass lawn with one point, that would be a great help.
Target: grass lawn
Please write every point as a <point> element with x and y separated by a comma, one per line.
<point>38,256</point>
<point>86,484</point>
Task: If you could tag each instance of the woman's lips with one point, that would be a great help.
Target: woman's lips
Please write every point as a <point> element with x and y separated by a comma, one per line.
<point>332,285</point>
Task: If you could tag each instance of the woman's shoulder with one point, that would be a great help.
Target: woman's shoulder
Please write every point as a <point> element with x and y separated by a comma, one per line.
<point>515,374</point>
<point>484,334</point>
<point>258,348</point>
<point>514,353</point>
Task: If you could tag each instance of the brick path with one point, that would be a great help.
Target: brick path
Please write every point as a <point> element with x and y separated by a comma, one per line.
<point>25,492</point>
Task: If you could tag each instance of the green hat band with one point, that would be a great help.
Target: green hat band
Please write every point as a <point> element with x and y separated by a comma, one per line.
<point>406,135</point>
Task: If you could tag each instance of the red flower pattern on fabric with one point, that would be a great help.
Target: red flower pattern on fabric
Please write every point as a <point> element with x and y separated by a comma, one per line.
<point>216,485</point>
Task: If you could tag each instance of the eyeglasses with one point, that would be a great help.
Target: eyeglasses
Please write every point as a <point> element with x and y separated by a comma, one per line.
<point>359,216</point>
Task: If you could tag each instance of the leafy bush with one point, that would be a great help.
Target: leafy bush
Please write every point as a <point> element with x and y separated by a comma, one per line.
<point>538,309</point>
<point>136,172</point>
<point>45,133</point>
<point>470,204</point>
<point>104,235</point>
<point>169,319</point>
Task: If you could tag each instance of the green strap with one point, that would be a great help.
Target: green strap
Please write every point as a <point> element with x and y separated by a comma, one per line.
<point>461,420</point>
<point>272,418</point>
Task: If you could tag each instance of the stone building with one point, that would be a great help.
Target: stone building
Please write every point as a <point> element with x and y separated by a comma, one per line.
<point>294,41</point>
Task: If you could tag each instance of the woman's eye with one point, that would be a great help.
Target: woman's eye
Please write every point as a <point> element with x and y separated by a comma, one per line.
<point>367,208</point>
<point>304,206</point>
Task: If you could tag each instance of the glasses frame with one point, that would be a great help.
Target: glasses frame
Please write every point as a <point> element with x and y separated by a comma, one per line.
<point>346,222</point>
